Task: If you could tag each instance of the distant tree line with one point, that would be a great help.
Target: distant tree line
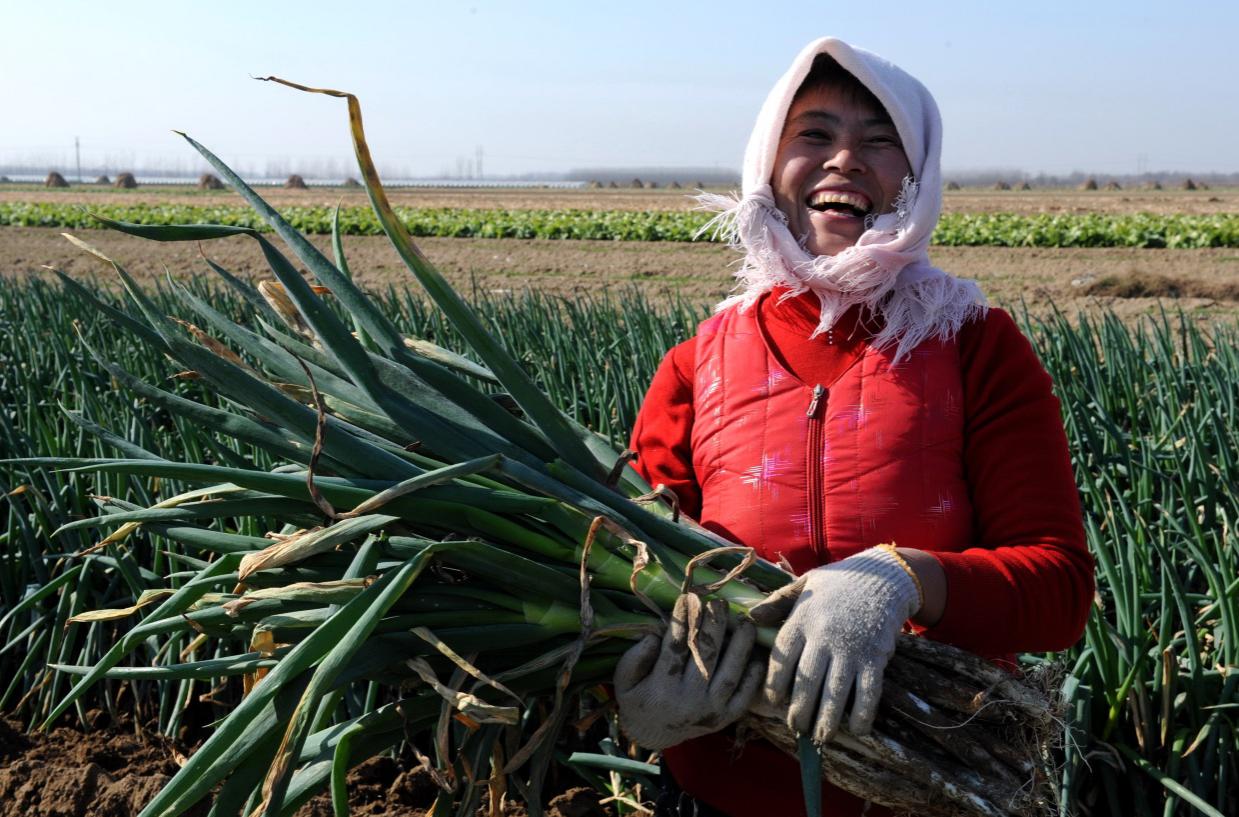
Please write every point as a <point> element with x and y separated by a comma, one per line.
<point>710,176</point>
<point>1168,178</point>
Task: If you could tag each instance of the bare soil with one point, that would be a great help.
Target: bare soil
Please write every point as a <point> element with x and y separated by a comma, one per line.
<point>1130,281</point>
<point>115,771</point>
<point>967,200</point>
<point>67,773</point>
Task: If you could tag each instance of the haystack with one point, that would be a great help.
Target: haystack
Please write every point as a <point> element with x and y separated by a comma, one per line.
<point>1188,184</point>
<point>295,182</point>
<point>209,181</point>
<point>1201,186</point>
<point>674,186</point>
<point>1001,185</point>
<point>952,186</point>
<point>5,180</point>
<point>1112,185</point>
<point>595,185</point>
<point>103,180</point>
<point>350,182</point>
<point>54,179</point>
<point>1153,185</point>
<point>651,185</point>
<point>699,186</point>
<point>636,184</point>
<point>1023,186</point>
<point>613,185</point>
<point>1091,184</point>
<point>126,180</point>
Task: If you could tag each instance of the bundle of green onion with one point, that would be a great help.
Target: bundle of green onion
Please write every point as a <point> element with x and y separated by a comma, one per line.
<point>448,541</point>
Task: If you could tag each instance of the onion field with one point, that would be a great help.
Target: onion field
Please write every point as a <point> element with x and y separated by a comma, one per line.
<point>1151,690</point>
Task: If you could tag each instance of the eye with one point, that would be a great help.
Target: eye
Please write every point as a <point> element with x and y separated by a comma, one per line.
<point>815,133</point>
<point>885,140</point>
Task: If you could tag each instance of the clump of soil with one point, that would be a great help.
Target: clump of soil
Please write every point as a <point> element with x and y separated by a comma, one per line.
<point>106,773</point>
<point>380,787</point>
<point>1151,285</point>
<point>578,802</point>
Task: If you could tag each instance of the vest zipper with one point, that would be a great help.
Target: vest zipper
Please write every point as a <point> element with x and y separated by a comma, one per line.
<point>813,461</point>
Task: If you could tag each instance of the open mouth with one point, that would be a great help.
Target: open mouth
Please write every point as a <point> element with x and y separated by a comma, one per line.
<point>840,203</point>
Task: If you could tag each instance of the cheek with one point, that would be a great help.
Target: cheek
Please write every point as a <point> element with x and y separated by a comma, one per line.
<point>893,171</point>
<point>897,168</point>
<point>787,177</point>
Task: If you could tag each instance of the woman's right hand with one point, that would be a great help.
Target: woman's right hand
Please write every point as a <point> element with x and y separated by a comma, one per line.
<point>668,695</point>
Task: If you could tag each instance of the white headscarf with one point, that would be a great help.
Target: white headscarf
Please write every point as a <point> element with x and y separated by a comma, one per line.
<point>888,268</point>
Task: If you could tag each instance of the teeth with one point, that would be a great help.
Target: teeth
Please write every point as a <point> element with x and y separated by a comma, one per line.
<point>855,200</point>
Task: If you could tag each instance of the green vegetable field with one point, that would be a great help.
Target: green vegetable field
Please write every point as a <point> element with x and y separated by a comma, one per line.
<point>1140,230</point>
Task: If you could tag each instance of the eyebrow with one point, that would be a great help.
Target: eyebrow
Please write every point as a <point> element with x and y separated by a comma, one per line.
<point>834,120</point>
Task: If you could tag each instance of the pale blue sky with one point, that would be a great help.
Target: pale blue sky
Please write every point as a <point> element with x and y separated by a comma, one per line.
<point>1107,87</point>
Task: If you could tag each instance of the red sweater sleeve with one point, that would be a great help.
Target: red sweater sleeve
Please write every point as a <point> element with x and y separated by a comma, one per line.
<point>662,436</point>
<point>1028,584</point>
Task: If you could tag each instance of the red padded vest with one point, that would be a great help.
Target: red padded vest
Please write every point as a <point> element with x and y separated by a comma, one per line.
<point>813,473</point>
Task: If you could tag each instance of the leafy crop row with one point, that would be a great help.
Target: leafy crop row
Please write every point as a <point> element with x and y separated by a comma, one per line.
<point>955,229</point>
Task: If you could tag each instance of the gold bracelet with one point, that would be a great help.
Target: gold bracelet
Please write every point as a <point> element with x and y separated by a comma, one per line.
<point>920,591</point>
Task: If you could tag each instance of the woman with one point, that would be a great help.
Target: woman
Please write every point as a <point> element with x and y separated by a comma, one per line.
<point>862,417</point>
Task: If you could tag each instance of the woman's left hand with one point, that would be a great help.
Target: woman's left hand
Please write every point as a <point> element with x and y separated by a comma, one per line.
<point>840,634</point>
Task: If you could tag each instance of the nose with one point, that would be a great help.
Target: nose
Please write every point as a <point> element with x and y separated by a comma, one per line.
<point>844,159</point>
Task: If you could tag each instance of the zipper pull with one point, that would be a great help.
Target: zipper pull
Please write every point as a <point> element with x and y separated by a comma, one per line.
<point>818,392</point>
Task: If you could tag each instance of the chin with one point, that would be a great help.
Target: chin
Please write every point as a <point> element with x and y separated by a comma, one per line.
<point>832,245</point>
<point>830,237</point>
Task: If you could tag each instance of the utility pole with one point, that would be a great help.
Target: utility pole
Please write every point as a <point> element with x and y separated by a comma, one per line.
<point>77,148</point>
<point>479,161</point>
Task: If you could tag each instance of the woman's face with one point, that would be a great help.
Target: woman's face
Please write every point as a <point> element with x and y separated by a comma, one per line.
<point>839,160</point>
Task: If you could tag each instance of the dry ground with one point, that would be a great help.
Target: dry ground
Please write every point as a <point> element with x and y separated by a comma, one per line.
<point>1203,282</point>
<point>968,200</point>
<point>114,771</point>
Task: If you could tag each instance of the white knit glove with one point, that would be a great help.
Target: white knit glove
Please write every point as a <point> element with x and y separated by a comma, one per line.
<point>841,632</point>
<point>665,699</point>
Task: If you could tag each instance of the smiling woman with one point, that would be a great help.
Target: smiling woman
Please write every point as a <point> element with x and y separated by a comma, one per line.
<point>840,161</point>
<point>858,415</point>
